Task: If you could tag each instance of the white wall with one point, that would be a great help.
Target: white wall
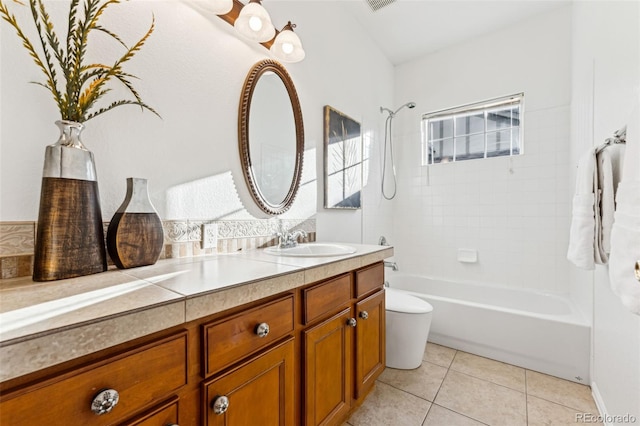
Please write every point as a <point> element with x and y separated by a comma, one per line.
<point>515,212</point>
<point>606,88</point>
<point>192,70</point>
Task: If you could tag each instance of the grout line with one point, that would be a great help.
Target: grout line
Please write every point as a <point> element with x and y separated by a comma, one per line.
<point>490,382</point>
<point>440,387</point>
<point>560,403</point>
<point>405,391</point>
<point>427,414</point>
<point>462,414</point>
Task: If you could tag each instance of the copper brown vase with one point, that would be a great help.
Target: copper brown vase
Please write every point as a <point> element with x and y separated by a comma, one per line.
<point>135,236</point>
<point>70,236</point>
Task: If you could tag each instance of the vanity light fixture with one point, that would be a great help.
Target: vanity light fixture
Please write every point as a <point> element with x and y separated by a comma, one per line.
<point>254,22</point>
<point>287,46</point>
<point>220,7</point>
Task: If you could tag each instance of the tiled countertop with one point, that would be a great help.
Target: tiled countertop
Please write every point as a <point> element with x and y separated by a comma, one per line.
<point>43,324</point>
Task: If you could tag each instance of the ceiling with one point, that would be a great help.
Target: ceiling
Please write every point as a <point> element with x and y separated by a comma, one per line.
<point>408,29</point>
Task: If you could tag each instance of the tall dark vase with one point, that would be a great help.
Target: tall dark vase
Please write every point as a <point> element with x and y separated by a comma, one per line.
<point>70,237</point>
<point>135,236</point>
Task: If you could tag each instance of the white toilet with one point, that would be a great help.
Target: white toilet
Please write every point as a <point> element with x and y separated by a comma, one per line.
<point>408,322</point>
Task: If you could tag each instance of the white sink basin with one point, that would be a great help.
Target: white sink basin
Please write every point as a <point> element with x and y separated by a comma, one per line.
<point>311,250</point>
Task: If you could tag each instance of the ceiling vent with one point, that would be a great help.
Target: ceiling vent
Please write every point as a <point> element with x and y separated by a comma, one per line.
<point>379,4</point>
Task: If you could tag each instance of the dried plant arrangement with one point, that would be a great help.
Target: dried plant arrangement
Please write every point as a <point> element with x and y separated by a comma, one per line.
<point>76,85</point>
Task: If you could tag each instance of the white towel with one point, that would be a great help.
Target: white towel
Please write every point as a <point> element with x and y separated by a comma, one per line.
<point>609,165</point>
<point>625,245</point>
<point>583,222</point>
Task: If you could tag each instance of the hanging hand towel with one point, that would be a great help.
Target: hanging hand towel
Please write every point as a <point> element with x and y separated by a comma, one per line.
<point>583,222</point>
<point>609,164</point>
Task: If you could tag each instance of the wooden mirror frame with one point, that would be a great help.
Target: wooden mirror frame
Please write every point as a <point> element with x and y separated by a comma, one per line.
<point>250,83</point>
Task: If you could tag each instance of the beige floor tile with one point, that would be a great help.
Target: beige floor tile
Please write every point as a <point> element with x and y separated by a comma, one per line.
<point>487,369</point>
<point>564,392</point>
<point>541,412</point>
<point>423,382</point>
<point>440,416</point>
<point>387,405</point>
<point>439,355</point>
<point>482,400</point>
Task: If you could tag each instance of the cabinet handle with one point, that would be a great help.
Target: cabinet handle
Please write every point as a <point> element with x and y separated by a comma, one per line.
<point>173,424</point>
<point>637,270</point>
<point>364,314</point>
<point>220,404</point>
<point>351,322</point>
<point>262,329</point>
<point>104,401</point>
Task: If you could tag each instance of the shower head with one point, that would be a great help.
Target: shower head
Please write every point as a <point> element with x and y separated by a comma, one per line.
<point>409,105</point>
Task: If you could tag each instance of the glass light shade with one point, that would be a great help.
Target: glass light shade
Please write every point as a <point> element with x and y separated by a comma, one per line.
<point>287,47</point>
<point>254,23</point>
<point>219,7</point>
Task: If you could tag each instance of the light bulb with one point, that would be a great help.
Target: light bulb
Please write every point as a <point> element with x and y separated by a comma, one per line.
<point>287,48</point>
<point>255,23</point>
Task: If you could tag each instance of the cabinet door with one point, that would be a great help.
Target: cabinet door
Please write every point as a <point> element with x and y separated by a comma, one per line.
<point>328,370</point>
<point>370,342</point>
<point>258,392</point>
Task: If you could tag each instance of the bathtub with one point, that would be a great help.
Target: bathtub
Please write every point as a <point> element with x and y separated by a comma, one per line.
<point>534,330</point>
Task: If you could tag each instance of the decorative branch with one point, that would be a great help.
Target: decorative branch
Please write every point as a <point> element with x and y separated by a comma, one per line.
<point>84,85</point>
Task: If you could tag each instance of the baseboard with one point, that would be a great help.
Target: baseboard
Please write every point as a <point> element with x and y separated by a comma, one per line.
<point>602,410</point>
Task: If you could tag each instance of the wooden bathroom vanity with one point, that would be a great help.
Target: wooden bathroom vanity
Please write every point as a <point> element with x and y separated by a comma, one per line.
<point>225,340</point>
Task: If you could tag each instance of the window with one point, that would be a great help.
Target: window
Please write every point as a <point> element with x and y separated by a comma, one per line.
<point>486,129</point>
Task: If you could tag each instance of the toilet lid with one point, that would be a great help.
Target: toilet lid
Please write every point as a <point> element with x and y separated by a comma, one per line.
<point>399,301</point>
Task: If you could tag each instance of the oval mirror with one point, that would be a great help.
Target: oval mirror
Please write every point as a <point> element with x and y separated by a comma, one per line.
<point>271,136</point>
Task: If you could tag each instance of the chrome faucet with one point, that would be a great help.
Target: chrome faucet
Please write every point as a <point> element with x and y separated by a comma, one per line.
<point>290,239</point>
<point>392,265</point>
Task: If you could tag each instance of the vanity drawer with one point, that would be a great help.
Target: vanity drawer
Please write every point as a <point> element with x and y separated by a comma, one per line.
<point>165,414</point>
<point>326,297</point>
<point>369,279</point>
<point>229,340</point>
<point>140,376</point>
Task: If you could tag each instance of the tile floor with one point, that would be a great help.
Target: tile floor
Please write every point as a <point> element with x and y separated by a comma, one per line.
<point>455,388</point>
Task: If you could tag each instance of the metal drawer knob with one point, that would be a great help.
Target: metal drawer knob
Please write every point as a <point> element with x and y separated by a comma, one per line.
<point>351,322</point>
<point>637,270</point>
<point>364,314</point>
<point>104,401</point>
<point>220,405</point>
<point>262,329</point>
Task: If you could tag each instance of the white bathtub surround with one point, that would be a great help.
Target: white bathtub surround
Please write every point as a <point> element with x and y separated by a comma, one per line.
<point>534,330</point>
<point>514,211</point>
